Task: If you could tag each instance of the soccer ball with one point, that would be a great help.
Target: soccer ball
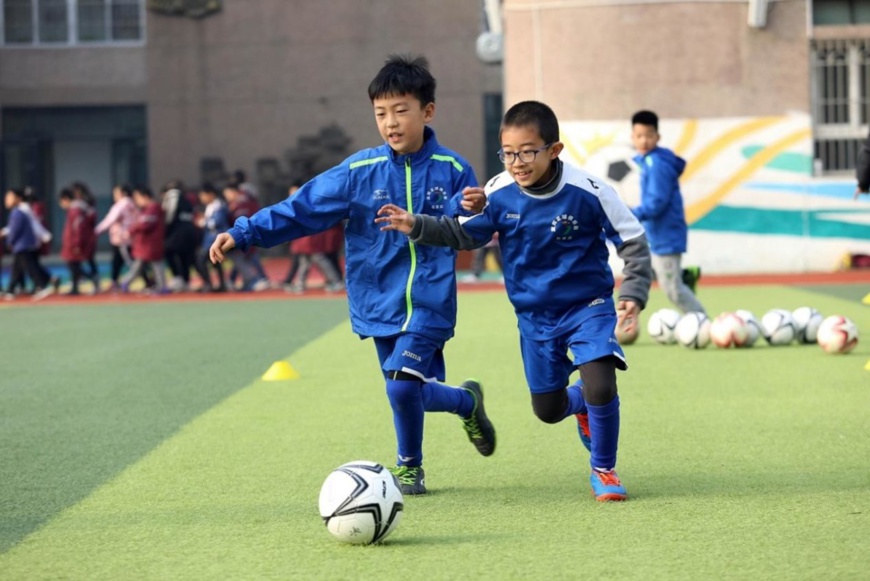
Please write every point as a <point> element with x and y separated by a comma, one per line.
<point>361,502</point>
<point>837,334</point>
<point>693,331</point>
<point>729,330</point>
<point>661,325</point>
<point>753,327</point>
<point>806,324</point>
<point>777,326</point>
<point>625,337</point>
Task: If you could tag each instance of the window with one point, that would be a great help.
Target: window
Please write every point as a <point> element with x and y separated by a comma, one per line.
<point>70,22</point>
<point>840,81</point>
<point>840,12</point>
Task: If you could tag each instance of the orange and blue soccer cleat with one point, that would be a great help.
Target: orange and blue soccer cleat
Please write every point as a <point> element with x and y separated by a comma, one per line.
<point>606,486</point>
<point>583,430</point>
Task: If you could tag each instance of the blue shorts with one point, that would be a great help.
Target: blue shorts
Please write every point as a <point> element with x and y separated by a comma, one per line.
<point>412,354</point>
<point>547,364</point>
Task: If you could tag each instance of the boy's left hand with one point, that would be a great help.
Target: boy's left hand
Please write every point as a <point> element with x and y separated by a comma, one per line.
<point>629,311</point>
<point>473,200</point>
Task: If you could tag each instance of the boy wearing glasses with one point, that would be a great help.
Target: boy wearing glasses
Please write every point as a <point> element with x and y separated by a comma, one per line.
<point>400,294</point>
<point>552,221</point>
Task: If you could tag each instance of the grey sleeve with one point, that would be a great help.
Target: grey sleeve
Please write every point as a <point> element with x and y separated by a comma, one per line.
<point>442,231</point>
<point>637,271</point>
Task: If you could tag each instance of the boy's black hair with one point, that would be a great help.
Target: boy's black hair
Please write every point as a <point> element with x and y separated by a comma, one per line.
<point>18,193</point>
<point>646,118</point>
<point>208,187</point>
<point>404,75</point>
<point>126,189</point>
<point>67,194</point>
<point>536,114</point>
<point>145,191</point>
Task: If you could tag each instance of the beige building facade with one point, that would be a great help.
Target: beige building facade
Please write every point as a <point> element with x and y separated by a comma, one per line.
<point>257,85</point>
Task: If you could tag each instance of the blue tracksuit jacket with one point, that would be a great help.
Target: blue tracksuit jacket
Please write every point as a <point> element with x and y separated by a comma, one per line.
<point>661,203</point>
<point>393,285</point>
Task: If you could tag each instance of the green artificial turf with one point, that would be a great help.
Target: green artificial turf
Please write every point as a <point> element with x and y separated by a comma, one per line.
<point>740,464</point>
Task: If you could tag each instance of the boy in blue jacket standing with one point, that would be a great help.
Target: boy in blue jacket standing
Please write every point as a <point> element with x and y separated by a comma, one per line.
<point>552,221</point>
<point>661,211</point>
<point>400,294</point>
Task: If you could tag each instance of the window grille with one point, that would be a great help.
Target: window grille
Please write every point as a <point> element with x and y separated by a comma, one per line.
<point>840,92</point>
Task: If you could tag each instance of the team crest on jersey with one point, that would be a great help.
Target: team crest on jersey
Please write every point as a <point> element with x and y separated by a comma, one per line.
<point>381,195</point>
<point>436,196</point>
<point>564,227</point>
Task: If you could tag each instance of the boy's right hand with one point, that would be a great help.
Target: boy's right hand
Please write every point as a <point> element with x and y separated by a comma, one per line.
<point>222,244</point>
<point>473,200</point>
<point>395,218</point>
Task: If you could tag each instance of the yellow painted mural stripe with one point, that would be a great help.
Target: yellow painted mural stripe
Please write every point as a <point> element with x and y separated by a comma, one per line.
<point>690,128</point>
<point>572,151</point>
<point>711,151</point>
<point>701,208</point>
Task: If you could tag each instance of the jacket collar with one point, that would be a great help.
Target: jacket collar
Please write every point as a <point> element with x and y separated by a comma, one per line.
<point>430,145</point>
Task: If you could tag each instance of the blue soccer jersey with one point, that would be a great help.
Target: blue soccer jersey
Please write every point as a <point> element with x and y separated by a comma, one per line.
<point>554,247</point>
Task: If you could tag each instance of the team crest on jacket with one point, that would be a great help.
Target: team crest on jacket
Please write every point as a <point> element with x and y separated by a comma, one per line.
<point>436,197</point>
<point>564,227</point>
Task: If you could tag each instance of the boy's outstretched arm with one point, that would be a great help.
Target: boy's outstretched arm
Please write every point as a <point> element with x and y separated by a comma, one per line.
<point>425,229</point>
<point>219,248</point>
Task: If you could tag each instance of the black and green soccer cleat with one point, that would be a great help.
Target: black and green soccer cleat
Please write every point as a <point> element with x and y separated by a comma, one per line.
<point>480,431</point>
<point>691,276</point>
<point>412,479</point>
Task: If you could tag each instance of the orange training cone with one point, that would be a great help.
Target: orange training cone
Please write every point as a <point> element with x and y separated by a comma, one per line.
<point>280,371</point>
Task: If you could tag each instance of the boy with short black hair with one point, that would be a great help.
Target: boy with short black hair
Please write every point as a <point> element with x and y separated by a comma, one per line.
<point>552,221</point>
<point>661,212</point>
<point>401,295</point>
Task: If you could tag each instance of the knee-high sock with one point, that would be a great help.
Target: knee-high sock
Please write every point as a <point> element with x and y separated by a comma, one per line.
<point>438,397</point>
<point>604,429</point>
<point>406,399</point>
<point>576,403</point>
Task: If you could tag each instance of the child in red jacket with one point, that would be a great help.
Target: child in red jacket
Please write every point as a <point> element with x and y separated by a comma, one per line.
<point>146,235</point>
<point>77,244</point>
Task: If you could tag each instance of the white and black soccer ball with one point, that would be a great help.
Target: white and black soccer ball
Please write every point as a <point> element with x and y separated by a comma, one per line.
<point>777,326</point>
<point>729,330</point>
<point>693,331</point>
<point>753,327</point>
<point>806,324</point>
<point>661,326</point>
<point>361,502</point>
<point>837,334</point>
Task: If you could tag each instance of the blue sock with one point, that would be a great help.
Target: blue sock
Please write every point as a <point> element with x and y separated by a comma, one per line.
<point>406,399</point>
<point>576,403</point>
<point>604,429</point>
<point>438,397</point>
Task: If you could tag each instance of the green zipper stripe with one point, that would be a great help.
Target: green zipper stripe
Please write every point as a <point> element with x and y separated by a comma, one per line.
<point>413,248</point>
<point>364,162</point>
<point>447,158</point>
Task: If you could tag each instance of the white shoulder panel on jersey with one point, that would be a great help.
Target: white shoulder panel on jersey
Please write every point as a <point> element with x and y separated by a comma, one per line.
<point>498,182</point>
<point>617,212</point>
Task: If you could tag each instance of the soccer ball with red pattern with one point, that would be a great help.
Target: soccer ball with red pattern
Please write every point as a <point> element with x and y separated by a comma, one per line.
<point>729,330</point>
<point>837,334</point>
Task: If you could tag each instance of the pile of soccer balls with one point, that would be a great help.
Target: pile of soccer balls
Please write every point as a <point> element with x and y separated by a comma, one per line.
<point>835,334</point>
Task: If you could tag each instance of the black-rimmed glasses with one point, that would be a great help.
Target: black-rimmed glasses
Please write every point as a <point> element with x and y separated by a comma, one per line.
<point>525,156</point>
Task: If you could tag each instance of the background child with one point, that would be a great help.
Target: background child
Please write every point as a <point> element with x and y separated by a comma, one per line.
<point>661,211</point>
<point>121,216</point>
<point>78,236</point>
<point>24,244</point>
<point>307,250</point>
<point>401,295</point>
<point>552,220</point>
<point>83,193</point>
<point>147,240</point>
<point>214,221</point>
